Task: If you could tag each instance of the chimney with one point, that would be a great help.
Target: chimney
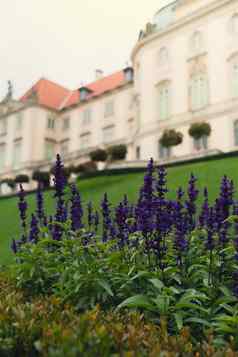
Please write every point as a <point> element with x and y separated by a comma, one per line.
<point>98,74</point>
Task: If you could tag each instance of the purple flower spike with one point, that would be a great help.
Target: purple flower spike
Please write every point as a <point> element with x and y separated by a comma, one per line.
<point>76,209</point>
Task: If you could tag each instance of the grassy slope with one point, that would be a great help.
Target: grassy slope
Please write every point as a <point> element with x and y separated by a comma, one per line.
<point>209,174</point>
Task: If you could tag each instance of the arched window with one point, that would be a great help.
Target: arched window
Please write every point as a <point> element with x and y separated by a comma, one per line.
<point>163,57</point>
<point>196,43</point>
<point>199,91</point>
<point>234,24</point>
<point>236,132</point>
<point>164,100</point>
<point>164,152</point>
<point>235,78</point>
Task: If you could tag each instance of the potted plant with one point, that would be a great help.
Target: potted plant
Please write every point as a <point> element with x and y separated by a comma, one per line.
<point>171,138</point>
<point>198,130</point>
<point>117,152</point>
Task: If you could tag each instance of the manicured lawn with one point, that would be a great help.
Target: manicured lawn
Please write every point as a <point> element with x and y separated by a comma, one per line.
<point>209,174</point>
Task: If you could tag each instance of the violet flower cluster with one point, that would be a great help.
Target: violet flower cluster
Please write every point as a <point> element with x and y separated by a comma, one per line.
<point>151,219</point>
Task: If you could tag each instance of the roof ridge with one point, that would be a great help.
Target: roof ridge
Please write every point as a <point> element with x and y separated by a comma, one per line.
<point>100,79</point>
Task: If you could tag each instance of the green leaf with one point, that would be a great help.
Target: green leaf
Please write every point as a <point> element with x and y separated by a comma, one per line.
<point>198,321</point>
<point>106,287</point>
<point>157,283</point>
<point>140,301</point>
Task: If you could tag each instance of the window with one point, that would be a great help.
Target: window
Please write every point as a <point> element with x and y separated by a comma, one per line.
<point>16,154</point>
<point>87,116</point>
<point>164,101</point>
<point>66,123</point>
<point>50,123</point>
<point>3,126</point>
<point>138,153</point>
<point>235,79</point>
<point>109,109</point>
<point>164,152</point>
<point>163,57</point>
<point>199,92</point>
<point>201,143</point>
<point>65,147</point>
<point>196,43</point>
<point>19,119</point>
<point>2,156</point>
<point>234,24</point>
<point>236,132</point>
<point>49,150</point>
<point>85,141</point>
<point>108,134</point>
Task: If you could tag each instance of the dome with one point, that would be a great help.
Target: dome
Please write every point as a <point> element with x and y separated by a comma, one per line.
<point>164,16</point>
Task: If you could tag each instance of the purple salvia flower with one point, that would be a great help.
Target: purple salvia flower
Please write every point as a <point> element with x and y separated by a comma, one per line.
<point>161,183</point>
<point>76,209</point>
<point>96,221</point>
<point>90,214</point>
<point>14,246</point>
<point>40,202</point>
<point>190,203</point>
<point>205,210</point>
<point>34,230</point>
<point>106,214</point>
<point>22,205</point>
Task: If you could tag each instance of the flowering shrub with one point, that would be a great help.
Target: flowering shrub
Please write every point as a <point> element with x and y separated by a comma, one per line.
<point>168,257</point>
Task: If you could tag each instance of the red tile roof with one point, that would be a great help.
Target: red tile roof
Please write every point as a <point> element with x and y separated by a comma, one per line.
<point>49,94</point>
<point>54,96</point>
<point>98,87</point>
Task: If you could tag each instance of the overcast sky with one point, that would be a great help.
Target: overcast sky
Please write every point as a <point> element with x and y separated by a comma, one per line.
<point>66,40</point>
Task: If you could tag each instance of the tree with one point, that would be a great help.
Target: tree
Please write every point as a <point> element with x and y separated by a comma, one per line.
<point>117,152</point>
<point>171,138</point>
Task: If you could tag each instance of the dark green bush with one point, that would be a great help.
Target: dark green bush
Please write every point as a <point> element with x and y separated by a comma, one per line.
<point>22,178</point>
<point>10,182</point>
<point>117,152</point>
<point>171,138</point>
<point>197,130</point>
<point>41,177</point>
<point>99,155</point>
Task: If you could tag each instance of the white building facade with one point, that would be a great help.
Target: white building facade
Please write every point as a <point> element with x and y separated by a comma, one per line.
<point>184,71</point>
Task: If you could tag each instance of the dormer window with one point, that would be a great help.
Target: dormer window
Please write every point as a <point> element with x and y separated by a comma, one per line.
<point>84,93</point>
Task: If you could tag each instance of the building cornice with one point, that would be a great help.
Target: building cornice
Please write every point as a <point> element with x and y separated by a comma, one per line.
<point>213,112</point>
<point>205,10</point>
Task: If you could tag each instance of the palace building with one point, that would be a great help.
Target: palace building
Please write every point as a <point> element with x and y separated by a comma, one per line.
<point>184,71</point>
